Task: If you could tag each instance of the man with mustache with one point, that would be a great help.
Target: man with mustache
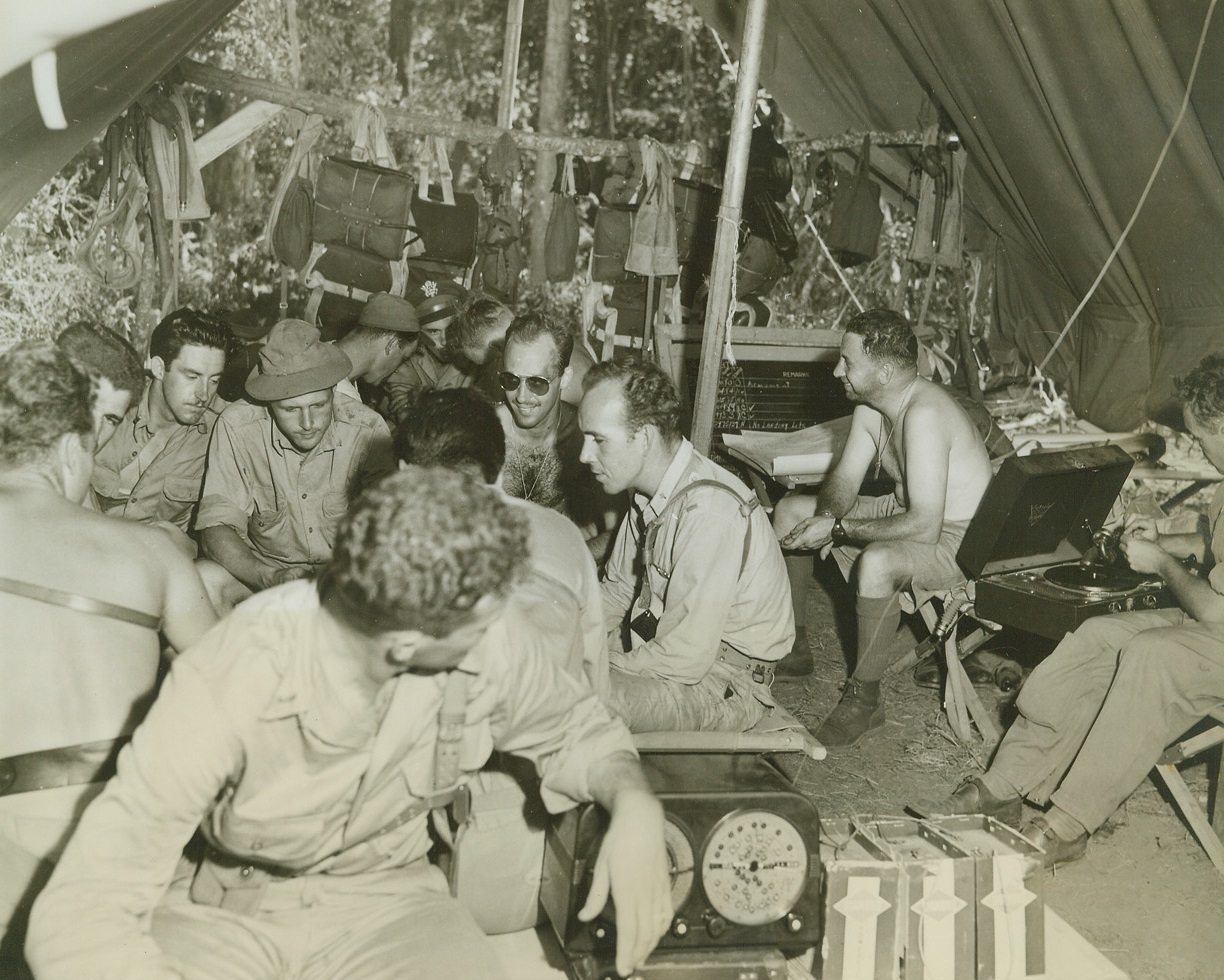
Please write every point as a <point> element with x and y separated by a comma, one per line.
<point>152,469</point>
<point>695,586</point>
<point>281,471</point>
<point>912,431</point>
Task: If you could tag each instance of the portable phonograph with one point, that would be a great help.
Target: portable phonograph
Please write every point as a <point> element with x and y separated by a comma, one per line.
<point>1037,550</point>
<point>743,845</point>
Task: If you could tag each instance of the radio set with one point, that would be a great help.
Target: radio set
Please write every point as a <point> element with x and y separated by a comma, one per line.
<point>744,854</point>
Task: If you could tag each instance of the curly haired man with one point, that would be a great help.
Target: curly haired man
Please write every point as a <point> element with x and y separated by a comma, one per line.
<point>309,735</point>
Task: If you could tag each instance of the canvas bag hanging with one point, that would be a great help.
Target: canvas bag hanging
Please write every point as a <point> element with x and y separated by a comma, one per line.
<point>614,219</point>
<point>561,237</point>
<point>289,231</point>
<point>696,205</point>
<point>855,218</point>
<point>448,223</point>
<point>178,168</point>
<point>363,206</point>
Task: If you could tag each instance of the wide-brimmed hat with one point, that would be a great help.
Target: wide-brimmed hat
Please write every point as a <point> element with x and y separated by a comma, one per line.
<point>384,311</point>
<point>294,361</point>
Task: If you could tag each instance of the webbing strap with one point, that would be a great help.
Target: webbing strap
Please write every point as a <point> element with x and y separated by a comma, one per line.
<point>746,507</point>
<point>81,603</point>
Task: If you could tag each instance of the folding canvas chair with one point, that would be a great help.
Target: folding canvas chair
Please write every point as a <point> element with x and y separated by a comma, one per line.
<point>1210,832</point>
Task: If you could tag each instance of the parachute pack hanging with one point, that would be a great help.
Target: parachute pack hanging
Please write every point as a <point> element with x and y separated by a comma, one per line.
<point>855,218</point>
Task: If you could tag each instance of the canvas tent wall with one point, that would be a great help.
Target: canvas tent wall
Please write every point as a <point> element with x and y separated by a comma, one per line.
<point>1063,109</point>
<point>107,53</point>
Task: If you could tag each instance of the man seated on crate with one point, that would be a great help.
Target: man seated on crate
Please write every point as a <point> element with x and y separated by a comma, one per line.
<point>83,599</point>
<point>459,429</point>
<point>283,469</point>
<point>694,590</point>
<point>114,369</point>
<point>309,735</point>
<point>152,470</point>
<point>913,431</point>
<point>1096,714</point>
<point>543,441</point>
<point>386,335</point>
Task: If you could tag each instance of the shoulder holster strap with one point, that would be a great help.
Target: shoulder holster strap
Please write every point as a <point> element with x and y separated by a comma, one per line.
<point>81,603</point>
<point>746,507</point>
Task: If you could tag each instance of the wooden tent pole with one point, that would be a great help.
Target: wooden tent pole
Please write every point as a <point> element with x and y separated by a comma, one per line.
<point>726,237</point>
<point>510,63</point>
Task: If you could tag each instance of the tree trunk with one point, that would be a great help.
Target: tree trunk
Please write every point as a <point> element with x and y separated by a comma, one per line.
<point>554,108</point>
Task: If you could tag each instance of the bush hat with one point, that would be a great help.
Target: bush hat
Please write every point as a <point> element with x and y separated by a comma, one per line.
<point>387,312</point>
<point>294,361</point>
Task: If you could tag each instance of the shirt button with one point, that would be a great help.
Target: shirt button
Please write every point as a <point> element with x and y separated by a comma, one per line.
<point>303,496</point>
<point>310,529</point>
<point>247,871</point>
<point>134,455</point>
<point>257,845</point>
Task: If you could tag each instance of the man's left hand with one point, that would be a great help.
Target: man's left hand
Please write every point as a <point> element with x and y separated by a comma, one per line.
<point>809,535</point>
<point>632,866</point>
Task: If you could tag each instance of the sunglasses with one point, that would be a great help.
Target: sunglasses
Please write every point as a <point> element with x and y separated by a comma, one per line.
<point>535,384</point>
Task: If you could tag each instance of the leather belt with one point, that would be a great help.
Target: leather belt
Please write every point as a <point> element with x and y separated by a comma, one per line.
<point>70,765</point>
<point>762,670</point>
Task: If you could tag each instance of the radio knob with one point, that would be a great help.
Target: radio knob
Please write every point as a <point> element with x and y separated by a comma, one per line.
<point>1115,606</point>
<point>794,923</point>
<point>1149,601</point>
<point>601,930</point>
<point>716,925</point>
<point>680,928</point>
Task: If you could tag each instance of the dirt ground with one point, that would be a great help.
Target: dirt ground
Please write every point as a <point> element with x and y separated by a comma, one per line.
<point>1145,894</point>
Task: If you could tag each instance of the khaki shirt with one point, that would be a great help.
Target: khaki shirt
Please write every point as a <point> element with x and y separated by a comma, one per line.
<point>249,741</point>
<point>286,505</point>
<point>694,584</point>
<point>152,476</point>
<point>420,372</point>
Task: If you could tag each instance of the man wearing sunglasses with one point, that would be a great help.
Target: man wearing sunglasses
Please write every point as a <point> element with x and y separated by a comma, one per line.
<point>543,441</point>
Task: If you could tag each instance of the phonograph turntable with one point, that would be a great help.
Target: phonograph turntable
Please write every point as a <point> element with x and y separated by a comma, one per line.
<point>1036,549</point>
<point>743,845</point>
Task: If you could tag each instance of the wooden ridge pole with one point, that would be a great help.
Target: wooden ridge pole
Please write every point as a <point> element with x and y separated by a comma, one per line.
<point>333,107</point>
<point>726,237</point>
<point>510,63</point>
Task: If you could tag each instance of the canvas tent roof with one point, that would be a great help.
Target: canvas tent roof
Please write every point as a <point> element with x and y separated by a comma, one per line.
<point>108,52</point>
<point>1062,108</point>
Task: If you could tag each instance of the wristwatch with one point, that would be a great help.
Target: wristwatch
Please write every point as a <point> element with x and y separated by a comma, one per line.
<point>839,535</point>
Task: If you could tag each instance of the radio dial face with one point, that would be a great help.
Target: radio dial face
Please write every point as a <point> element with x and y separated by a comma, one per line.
<point>755,867</point>
<point>680,863</point>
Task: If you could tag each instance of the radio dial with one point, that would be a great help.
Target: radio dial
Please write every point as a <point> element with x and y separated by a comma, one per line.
<point>716,925</point>
<point>794,923</point>
<point>680,928</point>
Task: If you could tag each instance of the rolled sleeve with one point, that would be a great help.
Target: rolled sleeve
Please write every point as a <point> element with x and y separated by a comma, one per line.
<point>553,720</point>
<point>226,498</point>
<point>93,918</point>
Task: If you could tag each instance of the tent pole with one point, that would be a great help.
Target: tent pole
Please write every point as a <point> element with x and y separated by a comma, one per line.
<point>718,306</point>
<point>510,63</point>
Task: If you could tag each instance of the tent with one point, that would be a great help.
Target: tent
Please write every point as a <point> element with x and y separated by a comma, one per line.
<point>1062,108</point>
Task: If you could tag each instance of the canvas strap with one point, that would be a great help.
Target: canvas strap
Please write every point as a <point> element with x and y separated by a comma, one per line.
<point>81,603</point>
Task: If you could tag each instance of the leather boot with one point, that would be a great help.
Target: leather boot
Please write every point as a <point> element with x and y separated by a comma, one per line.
<point>797,663</point>
<point>859,712</point>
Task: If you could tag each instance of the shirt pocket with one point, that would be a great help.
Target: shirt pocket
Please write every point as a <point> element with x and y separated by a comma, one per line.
<point>268,523</point>
<point>335,506</point>
<point>182,490</point>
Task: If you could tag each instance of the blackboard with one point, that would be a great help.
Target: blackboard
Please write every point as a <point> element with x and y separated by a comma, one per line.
<point>783,378</point>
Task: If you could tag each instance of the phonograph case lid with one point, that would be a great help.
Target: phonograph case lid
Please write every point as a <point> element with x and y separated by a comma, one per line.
<point>1043,509</point>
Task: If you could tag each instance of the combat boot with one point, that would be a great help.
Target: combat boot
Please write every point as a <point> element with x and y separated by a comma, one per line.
<point>858,712</point>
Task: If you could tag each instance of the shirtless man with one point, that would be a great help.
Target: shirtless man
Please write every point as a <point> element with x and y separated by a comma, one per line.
<point>82,598</point>
<point>913,431</point>
<point>543,441</point>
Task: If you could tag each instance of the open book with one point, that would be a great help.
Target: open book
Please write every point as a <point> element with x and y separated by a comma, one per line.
<point>804,454</point>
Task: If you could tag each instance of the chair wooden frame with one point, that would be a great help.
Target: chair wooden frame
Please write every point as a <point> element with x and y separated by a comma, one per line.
<point>1209,832</point>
